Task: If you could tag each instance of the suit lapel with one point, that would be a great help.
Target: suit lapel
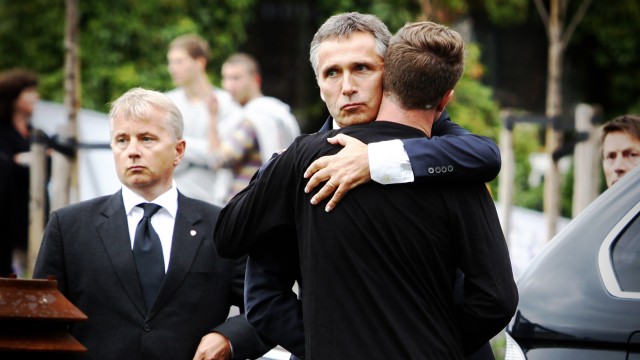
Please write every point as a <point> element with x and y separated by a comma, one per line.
<point>188,233</point>
<point>114,234</point>
<point>328,125</point>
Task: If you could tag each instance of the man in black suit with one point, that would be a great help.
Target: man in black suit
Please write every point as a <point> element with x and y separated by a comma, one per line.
<point>379,271</point>
<point>352,76</point>
<point>92,249</point>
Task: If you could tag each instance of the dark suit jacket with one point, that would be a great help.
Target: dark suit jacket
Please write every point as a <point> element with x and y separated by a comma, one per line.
<point>295,217</point>
<point>274,310</point>
<point>86,247</point>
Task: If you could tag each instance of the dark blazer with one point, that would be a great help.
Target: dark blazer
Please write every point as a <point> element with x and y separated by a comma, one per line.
<point>86,247</point>
<point>232,212</point>
<point>273,308</point>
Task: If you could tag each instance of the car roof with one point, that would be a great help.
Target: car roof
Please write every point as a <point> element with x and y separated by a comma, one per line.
<point>563,291</point>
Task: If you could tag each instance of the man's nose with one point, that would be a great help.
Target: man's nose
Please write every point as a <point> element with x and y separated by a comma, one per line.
<point>348,85</point>
<point>621,164</point>
<point>133,149</point>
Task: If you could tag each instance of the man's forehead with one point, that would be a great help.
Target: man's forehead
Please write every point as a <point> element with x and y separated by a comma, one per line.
<point>178,53</point>
<point>359,47</point>
<point>620,141</point>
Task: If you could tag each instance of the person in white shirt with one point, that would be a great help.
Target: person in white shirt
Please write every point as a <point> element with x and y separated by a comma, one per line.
<point>208,113</point>
<point>267,125</point>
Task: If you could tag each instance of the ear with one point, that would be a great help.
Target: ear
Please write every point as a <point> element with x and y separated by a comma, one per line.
<point>258,78</point>
<point>181,145</point>
<point>322,96</point>
<point>202,61</point>
<point>445,99</point>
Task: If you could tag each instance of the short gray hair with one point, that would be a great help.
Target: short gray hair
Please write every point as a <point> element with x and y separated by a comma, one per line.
<point>139,103</point>
<point>345,25</point>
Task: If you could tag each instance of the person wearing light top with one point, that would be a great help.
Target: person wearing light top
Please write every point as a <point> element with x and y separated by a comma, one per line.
<point>267,125</point>
<point>209,114</point>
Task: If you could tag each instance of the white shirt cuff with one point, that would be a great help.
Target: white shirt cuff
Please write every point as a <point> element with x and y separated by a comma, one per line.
<point>389,163</point>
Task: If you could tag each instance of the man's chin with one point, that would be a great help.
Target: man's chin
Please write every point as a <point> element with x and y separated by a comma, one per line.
<point>354,119</point>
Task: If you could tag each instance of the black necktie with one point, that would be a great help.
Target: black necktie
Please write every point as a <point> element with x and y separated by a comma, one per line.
<point>147,253</point>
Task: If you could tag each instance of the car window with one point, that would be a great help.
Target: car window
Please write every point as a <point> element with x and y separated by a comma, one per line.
<point>626,256</point>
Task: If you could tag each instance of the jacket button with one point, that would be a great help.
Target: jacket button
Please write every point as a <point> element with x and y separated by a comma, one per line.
<point>430,170</point>
<point>450,168</point>
<point>146,327</point>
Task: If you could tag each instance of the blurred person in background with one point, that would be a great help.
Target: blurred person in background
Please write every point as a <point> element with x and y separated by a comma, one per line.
<point>620,147</point>
<point>208,113</point>
<point>267,124</point>
<point>18,98</point>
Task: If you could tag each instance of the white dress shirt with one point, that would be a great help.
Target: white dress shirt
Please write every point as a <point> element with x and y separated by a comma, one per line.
<point>163,221</point>
<point>388,161</point>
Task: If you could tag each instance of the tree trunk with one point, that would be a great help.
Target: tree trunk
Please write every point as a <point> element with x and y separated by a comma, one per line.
<point>506,177</point>
<point>37,198</point>
<point>553,111</point>
<point>67,167</point>
<point>586,160</point>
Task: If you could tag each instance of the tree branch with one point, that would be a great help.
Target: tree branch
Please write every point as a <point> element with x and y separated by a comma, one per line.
<point>544,15</point>
<point>577,18</point>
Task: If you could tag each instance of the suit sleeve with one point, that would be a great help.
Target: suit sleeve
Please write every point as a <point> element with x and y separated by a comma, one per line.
<point>453,153</point>
<point>258,209</point>
<point>272,306</point>
<point>490,295</point>
<point>50,260</point>
<point>245,340</point>
<point>264,208</point>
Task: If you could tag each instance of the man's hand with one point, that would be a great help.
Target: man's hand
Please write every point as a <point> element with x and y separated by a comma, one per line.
<point>342,172</point>
<point>213,346</point>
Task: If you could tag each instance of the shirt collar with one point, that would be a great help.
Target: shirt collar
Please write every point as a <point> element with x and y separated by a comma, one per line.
<point>168,200</point>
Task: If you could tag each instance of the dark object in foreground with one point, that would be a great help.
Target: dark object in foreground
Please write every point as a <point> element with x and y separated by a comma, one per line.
<point>34,317</point>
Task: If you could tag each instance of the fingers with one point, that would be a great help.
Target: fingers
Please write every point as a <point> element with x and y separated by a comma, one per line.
<point>337,196</point>
<point>325,192</point>
<point>315,172</point>
<point>341,139</point>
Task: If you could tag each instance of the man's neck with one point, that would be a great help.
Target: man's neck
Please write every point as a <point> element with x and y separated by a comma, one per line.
<point>199,89</point>
<point>254,95</point>
<point>420,119</point>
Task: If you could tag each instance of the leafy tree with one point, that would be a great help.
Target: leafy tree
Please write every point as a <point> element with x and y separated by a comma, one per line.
<point>122,43</point>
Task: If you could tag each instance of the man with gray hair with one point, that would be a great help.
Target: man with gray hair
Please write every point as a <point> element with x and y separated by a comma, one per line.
<point>140,263</point>
<point>350,82</point>
<point>378,271</point>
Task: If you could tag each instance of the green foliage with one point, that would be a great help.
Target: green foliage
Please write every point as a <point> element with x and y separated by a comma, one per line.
<point>527,139</point>
<point>473,106</point>
<point>608,32</point>
<point>122,43</point>
<point>507,12</point>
